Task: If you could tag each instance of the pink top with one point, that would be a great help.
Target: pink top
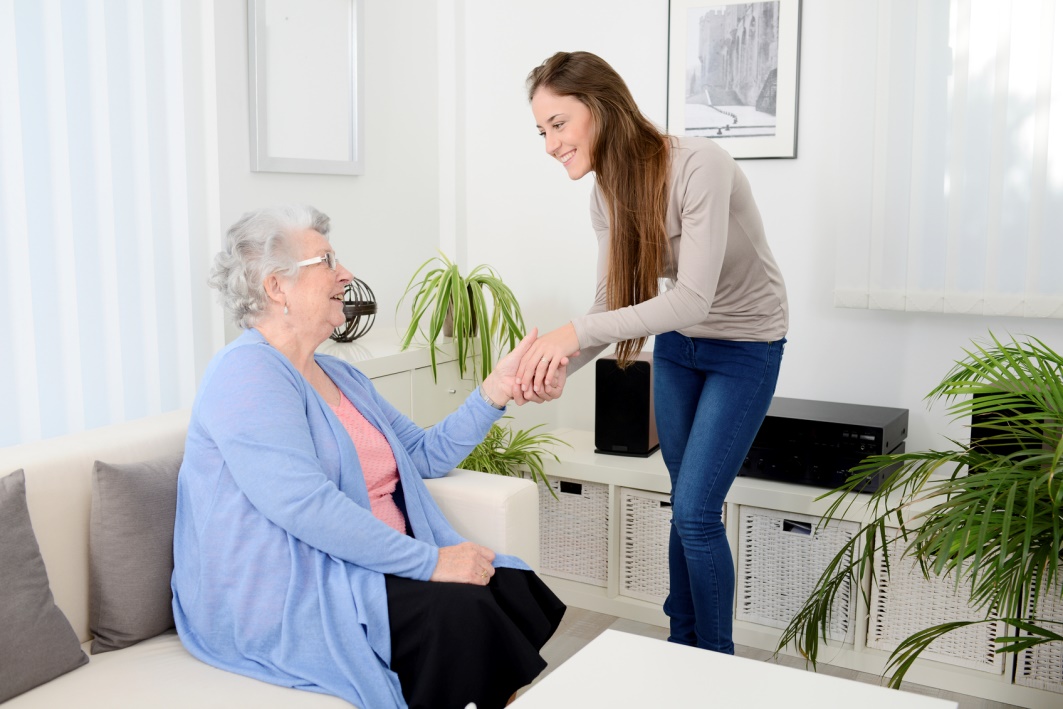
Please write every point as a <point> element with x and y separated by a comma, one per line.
<point>378,463</point>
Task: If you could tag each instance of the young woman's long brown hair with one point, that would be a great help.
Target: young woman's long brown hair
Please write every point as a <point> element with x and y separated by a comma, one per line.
<point>630,163</point>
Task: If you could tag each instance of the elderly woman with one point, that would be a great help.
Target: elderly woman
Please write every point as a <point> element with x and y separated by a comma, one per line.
<point>307,550</point>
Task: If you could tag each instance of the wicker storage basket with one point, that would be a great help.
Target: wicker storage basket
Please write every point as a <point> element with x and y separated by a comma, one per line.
<point>781,555</point>
<point>1042,666</point>
<point>903,602</point>
<point>645,524</point>
<point>574,530</point>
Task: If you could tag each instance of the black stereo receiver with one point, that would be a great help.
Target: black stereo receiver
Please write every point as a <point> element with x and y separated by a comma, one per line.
<point>817,442</point>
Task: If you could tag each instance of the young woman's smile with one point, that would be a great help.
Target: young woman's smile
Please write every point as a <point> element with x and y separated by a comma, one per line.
<point>567,127</point>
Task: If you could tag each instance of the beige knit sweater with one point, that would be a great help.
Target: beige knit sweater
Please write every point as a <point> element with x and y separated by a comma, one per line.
<point>721,280</point>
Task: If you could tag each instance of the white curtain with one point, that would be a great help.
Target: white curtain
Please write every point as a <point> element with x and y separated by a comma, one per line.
<point>108,210</point>
<point>950,156</point>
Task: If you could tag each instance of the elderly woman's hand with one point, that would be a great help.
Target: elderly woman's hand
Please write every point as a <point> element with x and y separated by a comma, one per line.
<point>465,563</point>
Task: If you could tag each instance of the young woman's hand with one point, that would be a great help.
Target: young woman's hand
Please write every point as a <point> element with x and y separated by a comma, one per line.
<point>552,388</point>
<point>500,384</point>
<point>465,563</point>
<point>542,361</point>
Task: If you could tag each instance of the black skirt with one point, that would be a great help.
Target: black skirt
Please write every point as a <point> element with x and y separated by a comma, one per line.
<point>455,643</point>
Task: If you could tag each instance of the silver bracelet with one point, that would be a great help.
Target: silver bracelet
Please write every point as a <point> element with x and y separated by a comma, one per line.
<point>487,399</point>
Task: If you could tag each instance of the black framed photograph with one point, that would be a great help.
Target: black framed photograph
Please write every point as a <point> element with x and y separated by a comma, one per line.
<point>733,71</point>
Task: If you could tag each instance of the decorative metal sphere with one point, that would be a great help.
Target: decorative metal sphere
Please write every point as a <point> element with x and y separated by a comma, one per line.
<point>359,307</point>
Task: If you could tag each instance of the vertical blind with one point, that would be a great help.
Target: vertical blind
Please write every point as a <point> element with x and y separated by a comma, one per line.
<point>950,156</point>
<point>108,211</point>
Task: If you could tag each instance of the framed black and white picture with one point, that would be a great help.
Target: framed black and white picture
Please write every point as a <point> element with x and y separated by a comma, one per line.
<point>733,74</point>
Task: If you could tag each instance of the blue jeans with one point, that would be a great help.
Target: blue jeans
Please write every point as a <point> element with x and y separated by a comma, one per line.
<point>710,397</point>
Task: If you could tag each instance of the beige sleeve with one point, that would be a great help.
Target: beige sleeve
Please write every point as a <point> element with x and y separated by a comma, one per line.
<point>600,222</point>
<point>705,195</point>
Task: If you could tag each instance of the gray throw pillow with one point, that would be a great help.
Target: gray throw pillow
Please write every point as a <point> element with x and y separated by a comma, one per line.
<point>131,551</point>
<point>38,642</point>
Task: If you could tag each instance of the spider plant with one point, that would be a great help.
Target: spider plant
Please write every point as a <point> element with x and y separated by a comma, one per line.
<point>514,453</point>
<point>988,514</point>
<point>442,290</point>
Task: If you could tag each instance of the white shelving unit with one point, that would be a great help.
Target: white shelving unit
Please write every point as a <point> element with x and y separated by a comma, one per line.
<point>581,464</point>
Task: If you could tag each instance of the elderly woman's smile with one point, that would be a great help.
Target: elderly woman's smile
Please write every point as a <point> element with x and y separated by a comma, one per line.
<point>320,277</point>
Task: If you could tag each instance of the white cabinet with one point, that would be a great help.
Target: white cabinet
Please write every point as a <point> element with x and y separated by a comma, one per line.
<point>759,515</point>
<point>433,400</point>
<point>589,486</point>
<point>396,388</point>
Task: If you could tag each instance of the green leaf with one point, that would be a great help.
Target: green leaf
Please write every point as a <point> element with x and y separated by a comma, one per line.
<point>995,519</point>
<point>481,305</point>
<point>514,453</point>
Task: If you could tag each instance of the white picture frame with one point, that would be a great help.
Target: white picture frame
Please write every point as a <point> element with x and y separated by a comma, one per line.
<point>722,56</point>
<point>306,86</point>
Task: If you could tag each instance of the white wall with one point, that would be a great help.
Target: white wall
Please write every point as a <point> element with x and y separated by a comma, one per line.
<point>385,222</point>
<point>456,69</point>
<point>523,216</point>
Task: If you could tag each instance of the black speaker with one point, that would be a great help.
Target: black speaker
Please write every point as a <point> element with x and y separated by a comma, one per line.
<point>623,407</point>
<point>989,434</point>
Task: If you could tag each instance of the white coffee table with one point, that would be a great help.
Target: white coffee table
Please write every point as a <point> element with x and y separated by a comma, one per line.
<point>619,669</point>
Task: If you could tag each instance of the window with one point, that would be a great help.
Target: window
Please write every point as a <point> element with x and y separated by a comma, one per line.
<point>108,211</point>
<point>950,156</point>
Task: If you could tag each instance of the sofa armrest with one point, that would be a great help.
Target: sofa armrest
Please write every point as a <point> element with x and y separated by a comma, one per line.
<point>499,512</point>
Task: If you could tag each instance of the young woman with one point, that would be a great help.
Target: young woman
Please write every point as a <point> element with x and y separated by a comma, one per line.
<point>681,210</point>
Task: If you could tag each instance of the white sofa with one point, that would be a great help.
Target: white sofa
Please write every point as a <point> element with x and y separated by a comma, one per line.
<point>499,512</point>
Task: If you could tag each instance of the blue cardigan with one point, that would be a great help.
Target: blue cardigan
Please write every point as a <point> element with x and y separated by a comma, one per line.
<point>278,561</point>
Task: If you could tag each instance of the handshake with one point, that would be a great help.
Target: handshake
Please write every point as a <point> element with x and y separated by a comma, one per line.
<point>534,370</point>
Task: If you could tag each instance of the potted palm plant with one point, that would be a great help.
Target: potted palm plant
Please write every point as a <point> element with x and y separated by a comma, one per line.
<point>477,303</point>
<point>515,453</point>
<point>986,514</point>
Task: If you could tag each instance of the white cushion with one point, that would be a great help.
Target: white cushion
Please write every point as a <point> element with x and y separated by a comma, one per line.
<point>161,674</point>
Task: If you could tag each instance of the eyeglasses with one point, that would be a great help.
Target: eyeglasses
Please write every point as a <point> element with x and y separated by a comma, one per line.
<point>329,258</point>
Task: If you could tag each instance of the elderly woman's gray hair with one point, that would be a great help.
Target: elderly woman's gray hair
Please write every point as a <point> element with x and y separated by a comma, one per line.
<point>258,245</point>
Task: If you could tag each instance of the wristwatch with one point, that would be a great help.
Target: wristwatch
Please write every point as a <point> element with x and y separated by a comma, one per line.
<point>487,399</point>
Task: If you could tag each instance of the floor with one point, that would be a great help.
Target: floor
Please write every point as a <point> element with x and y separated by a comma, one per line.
<point>581,626</point>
